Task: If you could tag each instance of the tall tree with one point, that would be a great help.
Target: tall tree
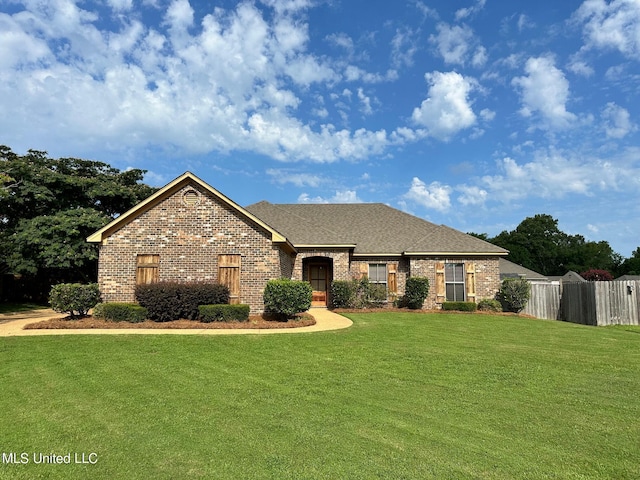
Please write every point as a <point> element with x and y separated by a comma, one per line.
<point>50,208</point>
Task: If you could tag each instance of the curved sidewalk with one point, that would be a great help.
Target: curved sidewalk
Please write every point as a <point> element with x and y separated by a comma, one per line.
<point>11,325</point>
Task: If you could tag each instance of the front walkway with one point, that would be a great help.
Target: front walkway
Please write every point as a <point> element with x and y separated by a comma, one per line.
<point>11,325</point>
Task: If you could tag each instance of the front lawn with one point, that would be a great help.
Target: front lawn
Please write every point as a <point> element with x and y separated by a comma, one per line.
<point>398,395</point>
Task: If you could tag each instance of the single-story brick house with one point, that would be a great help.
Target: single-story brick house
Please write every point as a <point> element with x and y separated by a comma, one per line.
<point>189,231</point>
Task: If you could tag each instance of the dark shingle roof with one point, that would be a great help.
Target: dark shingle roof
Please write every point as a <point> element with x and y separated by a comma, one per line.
<point>509,269</point>
<point>374,228</point>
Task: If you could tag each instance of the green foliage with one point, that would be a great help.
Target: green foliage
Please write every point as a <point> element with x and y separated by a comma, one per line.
<point>286,298</point>
<point>595,275</point>
<point>357,294</point>
<point>121,312</point>
<point>489,305</point>
<point>415,292</point>
<point>460,306</point>
<point>74,298</point>
<point>223,313</point>
<point>54,204</point>
<point>343,293</point>
<point>168,301</point>
<point>514,294</point>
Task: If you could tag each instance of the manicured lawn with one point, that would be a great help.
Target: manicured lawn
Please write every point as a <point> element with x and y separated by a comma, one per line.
<point>395,396</point>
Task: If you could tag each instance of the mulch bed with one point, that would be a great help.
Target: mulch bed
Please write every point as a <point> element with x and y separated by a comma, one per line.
<point>255,322</point>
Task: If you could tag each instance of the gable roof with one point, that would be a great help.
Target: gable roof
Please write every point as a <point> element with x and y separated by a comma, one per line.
<point>186,178</point>
<point>509,269</point>
<point>369,228</point>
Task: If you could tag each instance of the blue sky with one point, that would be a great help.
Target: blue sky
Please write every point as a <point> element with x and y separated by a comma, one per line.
<point>475,113</point>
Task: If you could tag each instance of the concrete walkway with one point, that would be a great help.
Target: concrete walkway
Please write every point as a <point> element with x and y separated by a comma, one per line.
<point>11,325</point>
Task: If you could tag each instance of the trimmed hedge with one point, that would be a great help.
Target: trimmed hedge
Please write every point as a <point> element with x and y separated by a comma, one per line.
<point>74,298</point>
<point>167,301</point>
<point>223,313</point>
<point>489,305</point>
<point>460,306</point>
<point>286,298</point>
<point>121,312</point>
<point>415,292</point>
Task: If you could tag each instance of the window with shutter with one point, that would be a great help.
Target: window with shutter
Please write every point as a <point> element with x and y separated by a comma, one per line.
<point>229,275</point>
<point>378,273</point>
<point>147,267</point>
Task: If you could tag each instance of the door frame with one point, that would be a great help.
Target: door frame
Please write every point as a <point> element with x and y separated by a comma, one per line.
<point>317,299</point>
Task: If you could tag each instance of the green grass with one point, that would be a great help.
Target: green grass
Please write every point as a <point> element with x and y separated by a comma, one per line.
<point>395,396</point>
<point>19,307</point>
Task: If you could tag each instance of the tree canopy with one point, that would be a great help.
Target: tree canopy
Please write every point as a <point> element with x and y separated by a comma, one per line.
<point>538,244</point>
<point>49,206</point>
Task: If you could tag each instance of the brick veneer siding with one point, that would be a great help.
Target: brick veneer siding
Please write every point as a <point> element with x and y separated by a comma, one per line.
<point>339,257</point>
<point>188,239</point>
<point>487,275</point>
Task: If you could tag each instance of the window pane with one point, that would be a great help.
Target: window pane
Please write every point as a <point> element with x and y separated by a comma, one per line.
<point>450,293</point>
<point>378,272</point>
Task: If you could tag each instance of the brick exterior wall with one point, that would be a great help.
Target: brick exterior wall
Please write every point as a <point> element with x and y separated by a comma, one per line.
<point>188,238</point>
<point>487,276</point>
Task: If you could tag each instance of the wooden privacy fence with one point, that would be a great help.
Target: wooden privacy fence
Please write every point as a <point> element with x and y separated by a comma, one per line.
<point>589,303</point>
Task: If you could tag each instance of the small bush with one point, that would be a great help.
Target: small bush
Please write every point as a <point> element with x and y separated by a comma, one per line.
<point>415,292</point>
<point>121,312</point>
<point>223,313</point>
<point>74,298</point>
<point>286,298</point>
<point>489,305</point>
<point>514,294</point>
<point>167,301</point>
<point>343,293</point>
<point>460,306</point>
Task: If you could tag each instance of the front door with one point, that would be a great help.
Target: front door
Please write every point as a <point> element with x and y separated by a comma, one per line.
<point>318,276</point>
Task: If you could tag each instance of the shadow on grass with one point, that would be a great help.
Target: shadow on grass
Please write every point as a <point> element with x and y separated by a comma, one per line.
<point>19,307</point>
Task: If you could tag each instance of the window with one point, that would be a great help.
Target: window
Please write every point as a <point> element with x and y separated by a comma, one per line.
<point>454,282</point>
<point>147,269</point>
<point>378,273</point>
<point>229,275</point>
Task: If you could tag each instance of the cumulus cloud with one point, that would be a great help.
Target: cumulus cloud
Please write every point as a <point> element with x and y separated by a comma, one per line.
<point>447,110</point>
<point>434,196</point>
<point>470,11</point>
<point>616,121</point>
<point>613,25</point>
<point>545,92</point>
<point>232,80</point>
<point>283,177</point>
<point>472,195</point>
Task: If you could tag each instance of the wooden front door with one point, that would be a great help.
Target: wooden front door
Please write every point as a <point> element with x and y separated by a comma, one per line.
<point>318,276</point>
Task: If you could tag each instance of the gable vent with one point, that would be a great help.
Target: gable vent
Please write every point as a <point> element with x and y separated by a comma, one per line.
<point>191,198</point>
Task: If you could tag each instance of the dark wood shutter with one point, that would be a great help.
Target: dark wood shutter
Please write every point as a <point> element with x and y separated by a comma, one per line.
<point>440,284</point>
<point>147,269</point>
<point>229,275</point>
<point>470,281</point>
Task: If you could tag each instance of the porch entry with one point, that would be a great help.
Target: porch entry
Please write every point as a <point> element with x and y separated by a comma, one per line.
<point>318,272</point>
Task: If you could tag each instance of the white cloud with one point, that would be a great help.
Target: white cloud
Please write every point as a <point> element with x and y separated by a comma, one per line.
<point>616,121</point>
<point>472,195</point>
<point>404,47</point>
<point>613,25</point>
<point>447,110</point>
<point>435,196</point>
<point>453,42</point>
<point>470,11</point>
<point>283,177</point>
<point>365,102</point>
<point>341,196</point>
<point>230,81</point>
<point>580,67</point>
<point>545,91</point>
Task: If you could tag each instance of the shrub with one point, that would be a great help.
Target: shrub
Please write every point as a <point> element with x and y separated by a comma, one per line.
<point>167,301</point>
<point>121,312</point>
<point>489,305</point>
<point>514,294</point>
<point>343,293</point>
<point>415,292</point>
<point>358,293</point>
<point>74,298</point>
<point>286,298</point>
<point>223,313</point>
<point>460,306</point>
